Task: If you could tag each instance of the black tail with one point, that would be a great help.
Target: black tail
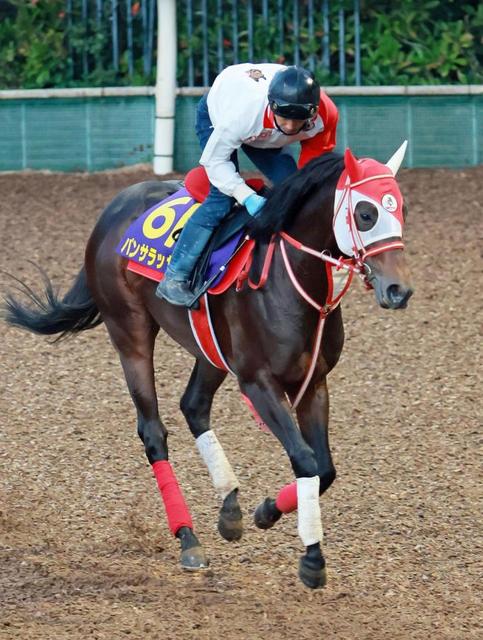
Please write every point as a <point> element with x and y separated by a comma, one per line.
<point>76,312</point>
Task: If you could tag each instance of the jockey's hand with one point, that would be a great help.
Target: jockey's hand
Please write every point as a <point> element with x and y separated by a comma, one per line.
<point>254,204</point>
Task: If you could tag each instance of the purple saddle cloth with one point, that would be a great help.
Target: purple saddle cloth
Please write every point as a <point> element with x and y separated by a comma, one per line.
<point>149,241</point>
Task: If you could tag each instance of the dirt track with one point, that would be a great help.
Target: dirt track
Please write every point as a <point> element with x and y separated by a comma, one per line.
<point>84,547</point>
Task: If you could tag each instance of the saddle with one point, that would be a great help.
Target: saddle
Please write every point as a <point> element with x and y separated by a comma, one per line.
<point>198,185</point>
<point>149,240</point>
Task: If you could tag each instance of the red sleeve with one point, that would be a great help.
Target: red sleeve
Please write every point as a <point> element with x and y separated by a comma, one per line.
<point>325,140</point>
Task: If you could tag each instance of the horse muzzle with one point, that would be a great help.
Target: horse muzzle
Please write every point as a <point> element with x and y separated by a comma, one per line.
<point>388,274</point>
<point>396,297</point>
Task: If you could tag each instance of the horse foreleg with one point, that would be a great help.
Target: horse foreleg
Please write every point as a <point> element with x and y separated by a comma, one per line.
<point>269,400</point>
<point>196,406</point>
<point>134,341</point>
<point>313,419</point>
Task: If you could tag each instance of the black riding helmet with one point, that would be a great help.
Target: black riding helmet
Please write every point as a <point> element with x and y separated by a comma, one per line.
<point>294,93</point>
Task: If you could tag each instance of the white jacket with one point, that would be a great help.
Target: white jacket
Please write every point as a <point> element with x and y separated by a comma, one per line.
<point>238,108</point>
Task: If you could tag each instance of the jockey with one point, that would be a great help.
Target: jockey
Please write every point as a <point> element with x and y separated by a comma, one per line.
<point>261,108</point>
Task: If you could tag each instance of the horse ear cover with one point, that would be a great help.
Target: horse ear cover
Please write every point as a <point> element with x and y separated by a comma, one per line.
<point>395,160</point>
<point>354,169</point>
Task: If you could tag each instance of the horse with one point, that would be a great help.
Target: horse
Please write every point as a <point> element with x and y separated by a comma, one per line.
<point>280,336</point>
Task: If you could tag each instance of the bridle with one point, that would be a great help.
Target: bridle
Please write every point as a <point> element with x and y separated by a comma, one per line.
<point>360,252</point>
<point>353,265</point>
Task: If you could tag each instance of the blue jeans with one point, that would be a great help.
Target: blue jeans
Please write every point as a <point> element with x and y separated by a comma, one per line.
<point>276,164</point>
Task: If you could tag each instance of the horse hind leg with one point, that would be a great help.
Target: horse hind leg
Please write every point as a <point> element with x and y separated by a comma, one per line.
<point>134,340</point>
<point>196,406</point>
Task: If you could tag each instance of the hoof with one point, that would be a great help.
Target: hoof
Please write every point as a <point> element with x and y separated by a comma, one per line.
<point>266,514</point>
<point>194,559</point>
<point>312,573</point>
<point>230,524</point>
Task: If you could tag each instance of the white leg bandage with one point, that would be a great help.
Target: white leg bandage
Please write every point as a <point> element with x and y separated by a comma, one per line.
<point>222,476</point>
<point>309,518</point>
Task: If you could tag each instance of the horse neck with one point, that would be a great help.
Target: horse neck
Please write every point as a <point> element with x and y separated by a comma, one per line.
<point>313,224</point>
<point>313,228</point>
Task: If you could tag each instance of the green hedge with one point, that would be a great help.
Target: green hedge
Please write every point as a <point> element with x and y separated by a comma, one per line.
<point>402,43</point>
<point>410,42</point>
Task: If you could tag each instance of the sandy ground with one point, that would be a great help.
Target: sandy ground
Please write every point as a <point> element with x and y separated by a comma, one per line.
<point>85,551</point>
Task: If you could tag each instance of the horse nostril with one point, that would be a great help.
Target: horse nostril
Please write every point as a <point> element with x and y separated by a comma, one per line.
<point>398,296</point>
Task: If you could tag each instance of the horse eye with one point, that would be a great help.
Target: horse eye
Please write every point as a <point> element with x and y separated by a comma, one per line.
<point>365,215</point>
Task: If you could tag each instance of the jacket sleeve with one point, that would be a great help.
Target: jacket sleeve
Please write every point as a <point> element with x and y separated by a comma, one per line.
<point>325,140</point>
<point>220,169</point>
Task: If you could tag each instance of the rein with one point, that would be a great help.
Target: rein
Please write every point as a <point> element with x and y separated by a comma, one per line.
<point>341,263</point>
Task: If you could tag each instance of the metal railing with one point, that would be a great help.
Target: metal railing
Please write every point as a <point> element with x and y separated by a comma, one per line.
<point>213,34</point>
<point>120,35</point>
<point>115,34</point>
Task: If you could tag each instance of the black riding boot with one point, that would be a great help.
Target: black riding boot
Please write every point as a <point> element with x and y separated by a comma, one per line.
<point>175,287</point>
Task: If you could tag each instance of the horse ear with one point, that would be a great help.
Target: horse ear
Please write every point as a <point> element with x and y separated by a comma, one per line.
<point>353,167</point>
<point>395,161</point>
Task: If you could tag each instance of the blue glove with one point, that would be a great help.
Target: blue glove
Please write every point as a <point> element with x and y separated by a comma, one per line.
<point>254,204</point>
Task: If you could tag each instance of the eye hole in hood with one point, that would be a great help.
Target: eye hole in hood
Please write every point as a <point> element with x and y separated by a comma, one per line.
<point>365,215</point>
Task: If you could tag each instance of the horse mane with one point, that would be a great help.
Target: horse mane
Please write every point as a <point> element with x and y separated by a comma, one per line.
<point>285,200</point>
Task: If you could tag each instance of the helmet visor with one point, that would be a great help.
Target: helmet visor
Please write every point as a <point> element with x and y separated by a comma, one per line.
<point>293,111</point>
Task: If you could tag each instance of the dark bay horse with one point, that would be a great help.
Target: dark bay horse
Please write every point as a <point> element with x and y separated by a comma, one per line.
<point>337,216</point>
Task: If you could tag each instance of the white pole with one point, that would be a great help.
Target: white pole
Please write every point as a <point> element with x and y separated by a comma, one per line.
<point>165,90</point>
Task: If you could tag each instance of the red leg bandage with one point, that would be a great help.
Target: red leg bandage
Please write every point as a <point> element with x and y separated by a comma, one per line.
<point>286,501</point>
<point>176,508</point>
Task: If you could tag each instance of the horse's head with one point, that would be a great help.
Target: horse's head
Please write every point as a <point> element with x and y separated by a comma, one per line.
<point>368,224</point>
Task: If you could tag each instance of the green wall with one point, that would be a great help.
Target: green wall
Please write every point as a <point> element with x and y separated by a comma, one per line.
<point>90,134</point>
<point>75,134</point>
